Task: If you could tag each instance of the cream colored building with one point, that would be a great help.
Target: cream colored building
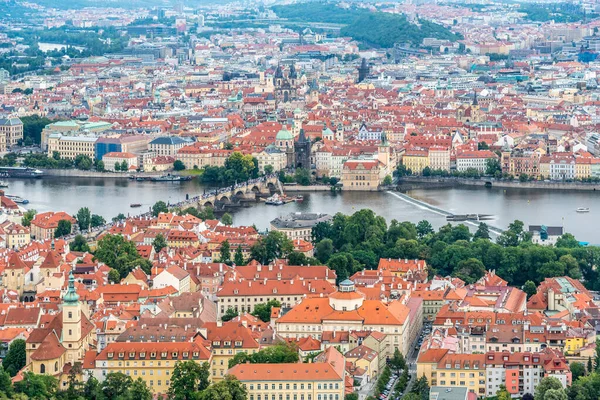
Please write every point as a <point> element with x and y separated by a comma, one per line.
<point>271,156</point>
<point>70,147</point>
<point>439,158</point>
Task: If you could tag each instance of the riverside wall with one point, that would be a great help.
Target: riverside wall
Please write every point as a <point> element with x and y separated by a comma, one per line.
<point>448,182</point>
<point>77,173</point>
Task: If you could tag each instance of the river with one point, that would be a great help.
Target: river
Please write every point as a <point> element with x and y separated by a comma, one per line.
<point>108,197</point>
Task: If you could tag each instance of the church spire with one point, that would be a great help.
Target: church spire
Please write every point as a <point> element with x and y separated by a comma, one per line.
<point>71,297</point>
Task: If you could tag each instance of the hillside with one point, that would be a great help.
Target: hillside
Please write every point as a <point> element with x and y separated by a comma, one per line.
<point>375,28</point>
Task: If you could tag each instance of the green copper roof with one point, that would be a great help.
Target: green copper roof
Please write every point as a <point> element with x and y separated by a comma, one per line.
<point>71,297</point>
<point>284,134</point>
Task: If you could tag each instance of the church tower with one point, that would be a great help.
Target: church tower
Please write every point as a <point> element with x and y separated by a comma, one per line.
<point>303,148</point>
<point>71,318</point>
<point>363,70</point>
<point>383,151</point>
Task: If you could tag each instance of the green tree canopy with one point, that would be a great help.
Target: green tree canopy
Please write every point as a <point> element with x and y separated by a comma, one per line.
<point>262,311</point>
<point>80,244</point>
<point>63,228</point>
<point>187,379</point>
<point>276,354</point>
<point>158,207</point>
<point>15,357</point>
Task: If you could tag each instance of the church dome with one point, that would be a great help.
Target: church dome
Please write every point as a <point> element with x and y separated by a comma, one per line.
<point>284,134</point>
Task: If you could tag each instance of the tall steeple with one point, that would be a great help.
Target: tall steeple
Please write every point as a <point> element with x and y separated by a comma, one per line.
<point>71,297</point>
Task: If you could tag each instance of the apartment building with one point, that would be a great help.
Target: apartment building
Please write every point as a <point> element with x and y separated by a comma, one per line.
<point>70,147</point>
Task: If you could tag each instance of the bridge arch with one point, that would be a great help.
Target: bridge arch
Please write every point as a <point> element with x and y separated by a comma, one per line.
<point>208,203</point>
<point>255,189</point>
<point>271,186</point>
<point>224,198</point>
<point>239,193</point>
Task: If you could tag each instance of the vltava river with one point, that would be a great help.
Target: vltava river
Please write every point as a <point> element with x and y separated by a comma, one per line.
<point>108,197</point>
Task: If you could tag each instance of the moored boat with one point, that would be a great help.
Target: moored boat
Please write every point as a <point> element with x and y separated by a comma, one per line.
<point>583,210</point>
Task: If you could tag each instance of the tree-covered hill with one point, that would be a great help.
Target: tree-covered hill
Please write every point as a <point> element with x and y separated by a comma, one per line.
<point>372,27</point>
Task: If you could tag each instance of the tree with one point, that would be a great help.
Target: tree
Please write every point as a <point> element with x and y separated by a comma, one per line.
<point>470,270</point>
<point>302,176</point>
<point>37,386</point>
<point>124,166</point>
<point>555,394</point>
<point>188,377</point>
<point>84,218</point>
<point>324,250</point>
<point>225,252</point>
<point>424,228</point>
<point>278,354</point>
<point>274,245</point>
<point>238,257</point>
<point>27,217</point>
<point>502,393</point>
<point>158,207</point>
<point>97,220</point>
<point>119,217</point>
<point>577,369</point>
<point>262,311</point>
<point>529,288</point>
<point>387,181</point>
<point>546,384</point>
<point>227,389</point>
<point>483,231</point>
<point>268,169</point>
<point>178,165</point>
<point>15,357</point>
<point>492,165</point>
<point>590,365</point>
<point>139,391</point>
<point>567,241</point>
<point>63,228</point>
<point>83,162</point>
<point>114,276</point>
<point>159,242</point>
<point>351,396</point>
<point>100,166</point>
<point>117,167</point>
<point>120,254</point>
<point>33,126</point>
<point>297,258</point>
<point>227,219</point>
<point>6,386</point>
<point>398,362</point>
<point>116,385</point>
<point>79,244</point>
<point>230,314</point>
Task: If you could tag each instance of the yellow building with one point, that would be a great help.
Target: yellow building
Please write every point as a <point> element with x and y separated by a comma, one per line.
<point>228,339</point>
<point>313,381</point>
<point>153,362</point>
<point>11,131</point>
<point>439,158</point>
<point>17,236</point>
<point>70,147</point>
<point>64,340</point>
<point>13,277</point>
<point>453,370</point>
<point>583,167</point>
<point>365,358</point>
<point>416,160</point>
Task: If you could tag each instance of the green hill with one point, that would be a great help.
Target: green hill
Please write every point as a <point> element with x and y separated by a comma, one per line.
<point>372,27</point>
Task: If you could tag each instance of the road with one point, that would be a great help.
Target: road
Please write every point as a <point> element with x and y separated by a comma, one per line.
<point>411,360</point>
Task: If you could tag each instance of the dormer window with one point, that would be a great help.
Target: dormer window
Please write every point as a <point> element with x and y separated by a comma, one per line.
<point>227,343</point>
<point>238,344</point>
<point>131,355</point>
<point>153,354</point>
<point>163,354</point>
<point>185,354</point>
<point>111,355</point>
<point>174,354</point>
<point>143,354</point>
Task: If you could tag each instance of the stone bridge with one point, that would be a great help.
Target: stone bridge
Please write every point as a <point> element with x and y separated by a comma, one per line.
<point>242,192</point>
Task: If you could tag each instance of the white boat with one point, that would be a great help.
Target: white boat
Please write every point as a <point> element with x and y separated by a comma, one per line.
<point>17,199</point>
<point>274,200</point>
<point>583,210</point>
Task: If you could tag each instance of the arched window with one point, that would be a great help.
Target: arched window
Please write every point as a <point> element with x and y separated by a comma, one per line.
<point>42,369</point>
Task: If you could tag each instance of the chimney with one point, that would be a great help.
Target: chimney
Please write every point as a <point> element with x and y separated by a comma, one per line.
<point>219,324</point>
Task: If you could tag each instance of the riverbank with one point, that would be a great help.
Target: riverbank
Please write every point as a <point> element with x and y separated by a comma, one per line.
<point>483,182</point>
<point>309,188</point>
<point>78,173</point>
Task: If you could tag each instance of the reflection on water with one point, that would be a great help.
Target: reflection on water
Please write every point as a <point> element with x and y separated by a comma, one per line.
<point>108,197</point>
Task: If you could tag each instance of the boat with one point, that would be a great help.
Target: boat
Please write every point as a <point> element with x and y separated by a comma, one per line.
<point>17,199</point>
<point>170,178</point>
<point>299,199</point>
<point>135,205</point>
<point>274,200</point>
<point>21,172</point>
<point>3,184</point>
<point>469,217</point>
<point>583,210</point>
